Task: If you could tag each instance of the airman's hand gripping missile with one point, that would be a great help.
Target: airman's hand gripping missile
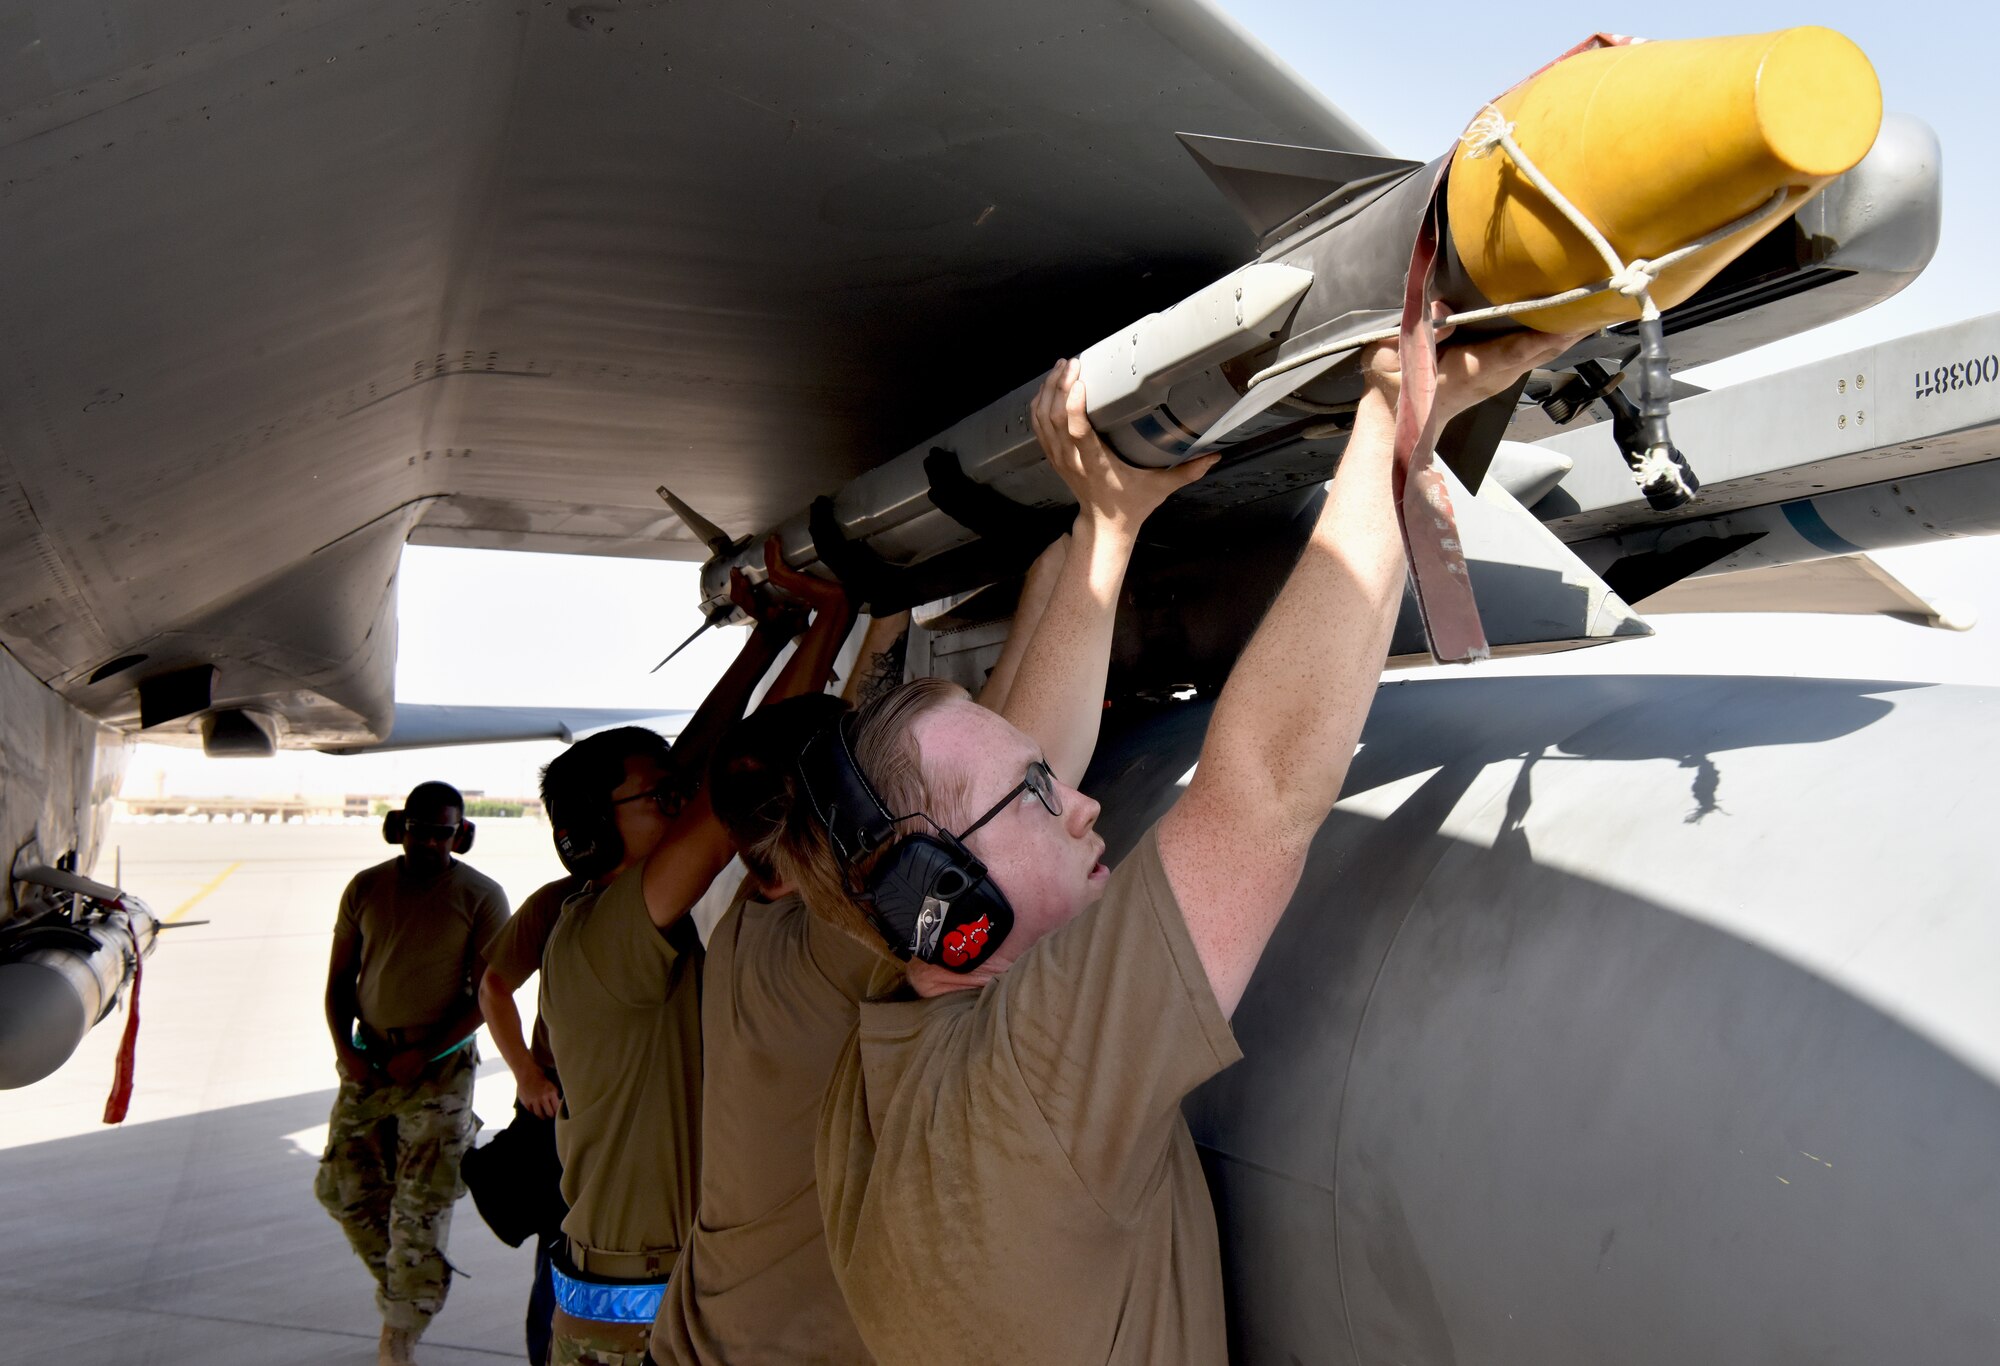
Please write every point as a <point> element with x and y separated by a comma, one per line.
<point>1596,194</point>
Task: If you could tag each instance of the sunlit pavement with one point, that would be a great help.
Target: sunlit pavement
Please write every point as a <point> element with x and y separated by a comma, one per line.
<point>190,1233</point>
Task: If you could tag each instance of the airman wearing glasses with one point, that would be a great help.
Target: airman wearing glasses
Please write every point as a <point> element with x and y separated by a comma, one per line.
<point>620,979</point>
<point>1002,1164</point>
<point>400,1005</point>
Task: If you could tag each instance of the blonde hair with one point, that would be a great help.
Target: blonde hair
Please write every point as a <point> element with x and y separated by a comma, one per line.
<point>886,750</point>
<point>753,781</point>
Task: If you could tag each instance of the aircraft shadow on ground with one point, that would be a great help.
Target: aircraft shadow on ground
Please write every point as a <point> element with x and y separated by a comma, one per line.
<point>171,1238</point>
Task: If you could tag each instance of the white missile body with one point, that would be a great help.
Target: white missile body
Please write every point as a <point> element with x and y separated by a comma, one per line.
<point>1137,381</point>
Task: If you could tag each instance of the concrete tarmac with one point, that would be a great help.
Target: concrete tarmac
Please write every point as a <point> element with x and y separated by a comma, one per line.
<point>190,1233</point>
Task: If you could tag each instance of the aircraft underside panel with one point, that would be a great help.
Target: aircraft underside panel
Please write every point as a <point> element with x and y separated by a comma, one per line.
<point>274,274</point>
<point>58,772</point>
<point>1619,1019</point>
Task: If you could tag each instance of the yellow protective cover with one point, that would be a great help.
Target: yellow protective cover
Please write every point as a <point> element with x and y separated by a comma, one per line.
<point>1657,144</point>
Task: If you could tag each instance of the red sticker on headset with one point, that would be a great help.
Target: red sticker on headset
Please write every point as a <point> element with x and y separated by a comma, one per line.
<point>965,942</point>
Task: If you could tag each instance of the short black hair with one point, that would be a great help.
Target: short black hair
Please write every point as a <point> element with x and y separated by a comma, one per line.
<point>582,778</point>
<point>753,778</point>
<point>433,797</point>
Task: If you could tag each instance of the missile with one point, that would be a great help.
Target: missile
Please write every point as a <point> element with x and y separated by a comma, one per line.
<point>1672,158</point>
<point>63,963</point>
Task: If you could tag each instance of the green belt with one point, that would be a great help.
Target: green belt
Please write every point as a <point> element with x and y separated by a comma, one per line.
<point>369,1041</point>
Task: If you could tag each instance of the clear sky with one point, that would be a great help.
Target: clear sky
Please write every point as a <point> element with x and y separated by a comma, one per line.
<point>495,627</point>
<point>1415,74</point>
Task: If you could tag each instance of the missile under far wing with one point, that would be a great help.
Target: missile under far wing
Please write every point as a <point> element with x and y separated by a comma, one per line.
<point>63,963</point>
<point>1660,144</point>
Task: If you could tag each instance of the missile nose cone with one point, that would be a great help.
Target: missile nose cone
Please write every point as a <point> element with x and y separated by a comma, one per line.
<point>1657,145</point>
<point>1527,471</point>
<point>42,1020</point>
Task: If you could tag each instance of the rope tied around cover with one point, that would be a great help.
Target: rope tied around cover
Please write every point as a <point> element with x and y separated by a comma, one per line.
<point>1491,132</point>
<point>1482,136</point>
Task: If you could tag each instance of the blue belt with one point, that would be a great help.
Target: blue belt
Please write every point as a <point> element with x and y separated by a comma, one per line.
<point>601,1303</point>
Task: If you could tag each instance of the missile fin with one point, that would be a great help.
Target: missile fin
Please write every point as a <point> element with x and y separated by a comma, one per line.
<point>714,618</point>
<point>1260,397</point>
<point>1469,440</point>
<point>1635,578</point>
<point>56,879</point>
<point>713,536</point>
<point>1271,183</point>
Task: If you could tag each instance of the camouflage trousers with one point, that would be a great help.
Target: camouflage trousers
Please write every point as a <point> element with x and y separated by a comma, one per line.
<point>390,1177</point>
<point>583,1342</point>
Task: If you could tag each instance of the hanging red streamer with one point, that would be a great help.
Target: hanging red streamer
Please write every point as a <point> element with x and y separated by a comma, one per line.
<point>1445,603</point>
<point>120,1098</point>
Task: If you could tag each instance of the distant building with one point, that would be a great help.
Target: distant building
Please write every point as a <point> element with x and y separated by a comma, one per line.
<point>360,805</point>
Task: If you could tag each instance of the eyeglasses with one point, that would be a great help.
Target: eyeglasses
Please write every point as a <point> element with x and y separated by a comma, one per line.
<point>427,832</point>
<point>670,801</point>
<point>1040,780</point>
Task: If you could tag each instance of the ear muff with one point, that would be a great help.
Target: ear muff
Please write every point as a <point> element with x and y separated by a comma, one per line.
<point>939,902</point>
<point>588,845</point>
<point>395,825</point>
<point>927,895</point>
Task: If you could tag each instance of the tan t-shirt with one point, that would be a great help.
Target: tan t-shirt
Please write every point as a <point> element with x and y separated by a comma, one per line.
<point>516,952</point>
<point>623,1005</point>
<point>420,941</point>
<point>778,1004</point>
<point>1005,1173</point>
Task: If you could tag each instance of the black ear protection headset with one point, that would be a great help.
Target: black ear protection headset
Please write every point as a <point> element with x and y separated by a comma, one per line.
<point>928,896</point>
<point>588,843</point>
<point>395,826</point>
<point>586,829</point>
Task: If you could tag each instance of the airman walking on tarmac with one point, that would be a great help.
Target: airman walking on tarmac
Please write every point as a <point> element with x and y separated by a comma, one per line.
<point>400,1006</point>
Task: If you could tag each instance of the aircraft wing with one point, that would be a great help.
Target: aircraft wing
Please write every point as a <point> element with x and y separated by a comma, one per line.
<point>287,288</point>
<point>424,726</point>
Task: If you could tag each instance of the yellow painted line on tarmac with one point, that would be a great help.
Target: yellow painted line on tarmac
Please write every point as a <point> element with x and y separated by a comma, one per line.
<point>195,900</point>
